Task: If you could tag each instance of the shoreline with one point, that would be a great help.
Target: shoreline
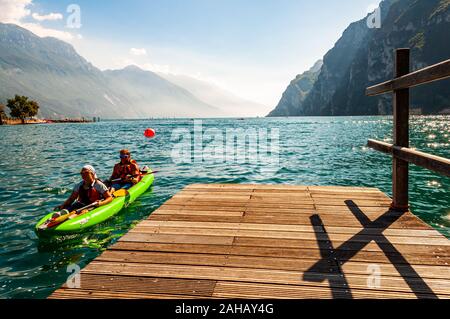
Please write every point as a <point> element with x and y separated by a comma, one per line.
<point>10,122</point>
<point>34,122</point>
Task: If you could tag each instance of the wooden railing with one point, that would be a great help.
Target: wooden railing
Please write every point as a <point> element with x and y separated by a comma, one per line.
<point>401,153</point>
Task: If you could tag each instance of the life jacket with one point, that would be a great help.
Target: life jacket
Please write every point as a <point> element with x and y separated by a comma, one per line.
<point>88,196</point>
<point>127,169</point>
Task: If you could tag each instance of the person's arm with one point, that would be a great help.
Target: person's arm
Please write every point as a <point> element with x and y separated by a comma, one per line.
<point>108,199</point>
<point>135,174</point>
<point>69,201</point>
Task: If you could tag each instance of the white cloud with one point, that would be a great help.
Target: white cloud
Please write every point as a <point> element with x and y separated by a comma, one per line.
<point>138,52</point>
<point>16,11</point>
<point>12,11</point>
<point>43,32</point>
<point>158,68</point>
<point>45,17</point>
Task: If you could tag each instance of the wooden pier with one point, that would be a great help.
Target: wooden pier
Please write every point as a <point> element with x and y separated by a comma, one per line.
<point>272,241</point>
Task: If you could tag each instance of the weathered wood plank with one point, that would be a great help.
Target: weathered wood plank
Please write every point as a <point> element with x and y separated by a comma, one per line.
<point>429,74</point>
<point>169,247</point>
<point>201,207</point>
<point>364,237</point>
<point>198,213</point>
<point>338,220</point>
<point>389,239</point>
<point>230,225</point>
<point>292,228</point>
<point>227,289</point>
<point>370,253</point>
<point>231,259</point>
<point>198,218</point>
<point>396,283</point>
<point>353,245</point>
<point>343,189</point>
<point>163,258</point>
<point>170,238</point>
<point>434,163</point>
<point>213,197</point>
<point>347,196</point>
<point>99,294</point>
<point>148,285</point>
<point>402,270</point>
<point>235,232</point>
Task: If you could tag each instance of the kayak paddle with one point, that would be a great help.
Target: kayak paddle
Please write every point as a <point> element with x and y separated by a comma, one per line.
<point>61,219</point>
<point>119,179</point>
<point>120,193</point>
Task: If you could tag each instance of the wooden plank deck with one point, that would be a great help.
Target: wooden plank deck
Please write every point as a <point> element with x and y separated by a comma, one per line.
<point>272,241</point>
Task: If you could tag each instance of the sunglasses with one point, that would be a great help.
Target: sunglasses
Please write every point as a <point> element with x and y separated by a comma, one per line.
<point>124,156</point>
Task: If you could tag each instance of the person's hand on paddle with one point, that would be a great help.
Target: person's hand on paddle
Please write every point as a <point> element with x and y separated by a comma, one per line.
<point>130,179</point>
<point>58,208</point>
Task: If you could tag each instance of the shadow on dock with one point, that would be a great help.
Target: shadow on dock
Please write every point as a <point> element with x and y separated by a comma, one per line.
<point>330,266</point>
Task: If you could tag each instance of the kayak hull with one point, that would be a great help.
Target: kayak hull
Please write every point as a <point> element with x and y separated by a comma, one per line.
<point>98,215</point>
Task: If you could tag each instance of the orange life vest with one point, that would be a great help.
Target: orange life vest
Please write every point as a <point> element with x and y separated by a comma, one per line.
<point>88,196</point>
<point>127,169</point>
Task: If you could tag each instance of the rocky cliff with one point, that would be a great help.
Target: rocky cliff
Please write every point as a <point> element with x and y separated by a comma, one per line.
<point>364,56</point>
<point>297,91</point>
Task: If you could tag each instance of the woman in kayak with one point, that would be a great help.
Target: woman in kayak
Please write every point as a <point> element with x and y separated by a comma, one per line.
<point>87,192</point>
<point>126,173</point>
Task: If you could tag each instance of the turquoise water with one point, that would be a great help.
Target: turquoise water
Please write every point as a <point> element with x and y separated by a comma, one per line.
<point>39,165</point>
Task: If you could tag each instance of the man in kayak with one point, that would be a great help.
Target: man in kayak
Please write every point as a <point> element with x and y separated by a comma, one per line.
<point>87,192</point>
<point>126,173</point>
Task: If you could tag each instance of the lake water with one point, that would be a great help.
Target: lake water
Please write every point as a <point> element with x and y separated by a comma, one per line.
<point>39,165</point>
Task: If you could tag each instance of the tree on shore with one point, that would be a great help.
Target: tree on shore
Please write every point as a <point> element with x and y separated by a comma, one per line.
<point>2,113</point>
<point>22,108</point>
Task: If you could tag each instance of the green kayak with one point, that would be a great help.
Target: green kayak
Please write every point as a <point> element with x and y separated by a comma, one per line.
<point>97,215</point>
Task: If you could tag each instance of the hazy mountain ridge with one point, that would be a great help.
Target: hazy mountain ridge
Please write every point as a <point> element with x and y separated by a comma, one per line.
<point>146,89</point>
<point>51,72</point>
<point>363,57</point>
<point>211,94</point>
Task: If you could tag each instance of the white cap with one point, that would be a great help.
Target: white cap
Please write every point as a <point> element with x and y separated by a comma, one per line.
<point>91,169</point>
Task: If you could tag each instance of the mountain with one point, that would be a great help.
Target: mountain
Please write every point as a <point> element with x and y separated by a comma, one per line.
<point>214,95</point>
<point>65,85</point>
<point>152,95</point>
<point>50,72</point>
<point>363,57</point>
<point>297,91</point>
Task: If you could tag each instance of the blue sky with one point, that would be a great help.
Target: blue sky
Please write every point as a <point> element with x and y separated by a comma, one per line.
<point>252,48</point>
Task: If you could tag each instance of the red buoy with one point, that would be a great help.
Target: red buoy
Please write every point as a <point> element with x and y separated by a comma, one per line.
<point>149,133</point>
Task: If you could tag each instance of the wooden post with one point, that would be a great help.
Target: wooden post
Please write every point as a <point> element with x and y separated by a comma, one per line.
<point>401,134</point>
